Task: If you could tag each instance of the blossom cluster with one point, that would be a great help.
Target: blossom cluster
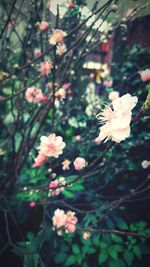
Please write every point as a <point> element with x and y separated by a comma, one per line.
<point>57,186</point>
<point>51,146</point>
<point>34,95</point>
<point>116,119</point>
<point>64,221</point>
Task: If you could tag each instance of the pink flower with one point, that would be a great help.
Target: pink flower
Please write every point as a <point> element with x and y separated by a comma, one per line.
<point>124,103</point>
<point>97,140</point>
<point>33,95</point>
<point>71,222</point>
<point>113,95</point>
<point>71,5</point>
<point>45,68</point>
<point>37,52</point>
<point>43,26</point>
<point>78,138</point>
<point>57,37</point>
<point>39,160</point>
<point>79,163</point>
<point>60,94</point>
<point>59,218</point>
<point>145,164</point>
<point>66,86</point>
<point>61,49</point>
<point>68,220</point>
<point>145,75</point>
<point>52,146</point>
<point>108,83</point>
<point>32,204</point>
<point>53,186</point>
<point>117,119</point>
<point>65,164</point>
<point>44,99</point>
<point>49,4</point>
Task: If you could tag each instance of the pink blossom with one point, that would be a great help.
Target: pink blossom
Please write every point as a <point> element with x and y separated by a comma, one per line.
<point>117,119</point>
<point>66,86</point>
<point>57,37</point>
<point>79,163</point>
<point>108,83</point>
<point>124,103</point>
<point>45,68</point>
<point>53,186</point>
<point>97,140</point>
<point>37,52</point>
<point>32,204</point>
<point>49,4</point>
<point>60,94</point>
<point>71,5</point>
<point>52,146</point>
<point>33,95</point>
<point>78,138</point>
<point>61,49</point>
<point>44,99</point>
<point>113,95</point>
<point>145,164</point>
<point>39,160</point>
<point>68,220</point>
<point>65,164</point>
<point>71,222</point>
<point>59,218</point>
<point>145,75</point>
<point>43,26</point>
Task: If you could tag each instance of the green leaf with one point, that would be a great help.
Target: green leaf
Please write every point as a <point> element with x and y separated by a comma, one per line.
<point>123,225</point>
<point>75,249</point>
<point>70,260</point>
<point>60,257</point>
<point>128,256</point>
<point>137,251</point>
<point>116,238</point>
<point>30,236</point>
<point>113,253</point>
<point>116,263</point>
<point>102,257</point>
<point>68,194</point>
<point>118,248</point>
<point>103,245</point>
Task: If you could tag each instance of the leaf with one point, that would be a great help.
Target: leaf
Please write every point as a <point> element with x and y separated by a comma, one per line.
<point>116,238</point>
<point>75,249</point>
<point>30,236</point>
<point>70,260</point>
<point>103,245</point>
<point>60,257</point>
<point>113,253</point>
<point>137,251</point>
<point>31,260</point>
<point>121,223</point>
<point>68,194</point>
<point>119,248</point>
<point>128,256</point>
<point>116,263</point>
<point>110,223</point>
<point>102,257</point>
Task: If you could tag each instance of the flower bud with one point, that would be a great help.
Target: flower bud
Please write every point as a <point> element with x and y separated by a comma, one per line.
<point>114,8</point>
